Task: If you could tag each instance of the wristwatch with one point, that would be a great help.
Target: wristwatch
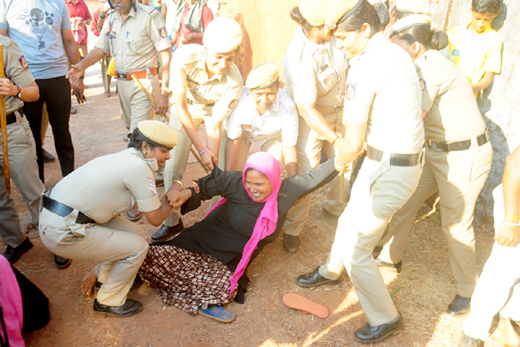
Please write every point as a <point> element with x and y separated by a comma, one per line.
<point>167,90</point>
<point>19,93</point>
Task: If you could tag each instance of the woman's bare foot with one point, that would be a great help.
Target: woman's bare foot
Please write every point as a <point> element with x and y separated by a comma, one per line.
<point>88,283</point>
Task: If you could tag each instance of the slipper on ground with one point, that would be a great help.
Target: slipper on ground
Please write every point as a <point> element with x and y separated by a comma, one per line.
<point>300,303</point>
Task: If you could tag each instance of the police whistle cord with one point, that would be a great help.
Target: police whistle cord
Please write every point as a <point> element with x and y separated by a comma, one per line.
<point>3,126</point>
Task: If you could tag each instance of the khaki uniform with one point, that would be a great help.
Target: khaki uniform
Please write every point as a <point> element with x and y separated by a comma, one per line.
<point>134,43</point>
<point>22,151</point>
<point>374,87</point>
<point>315,72</point>
<point>275,129</point>
<point>102,189</point>
<point>207,97</point>
<point>457,175</point>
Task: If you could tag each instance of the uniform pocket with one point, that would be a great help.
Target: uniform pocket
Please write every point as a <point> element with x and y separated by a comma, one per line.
<point>328,78</point>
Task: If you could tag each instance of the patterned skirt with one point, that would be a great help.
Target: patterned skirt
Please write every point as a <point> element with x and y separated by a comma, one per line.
<point>186,280</point>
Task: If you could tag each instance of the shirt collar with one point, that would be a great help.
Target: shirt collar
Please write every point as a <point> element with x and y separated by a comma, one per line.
<point>375,40</point>
<point>152,163</point>
<point>201,65</point>
<point>130,14</point>
<point>472,34</point>
<point>311,46</point>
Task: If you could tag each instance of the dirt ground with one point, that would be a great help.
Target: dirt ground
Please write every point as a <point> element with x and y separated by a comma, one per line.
<point>421,291</point>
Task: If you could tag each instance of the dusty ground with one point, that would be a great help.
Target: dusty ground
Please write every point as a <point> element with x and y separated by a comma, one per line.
<point>421,292</point>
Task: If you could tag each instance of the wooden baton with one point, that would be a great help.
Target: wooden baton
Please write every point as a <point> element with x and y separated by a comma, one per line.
<point>3,126</point>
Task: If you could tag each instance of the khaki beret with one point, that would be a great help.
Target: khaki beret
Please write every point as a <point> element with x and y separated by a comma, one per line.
<point>158,132</point>
<point>223,35</point>
<point>262,75</point>
<point>414,6</point>
<point>410,21</point>
<point>314,11</point>
<point>338,11</point>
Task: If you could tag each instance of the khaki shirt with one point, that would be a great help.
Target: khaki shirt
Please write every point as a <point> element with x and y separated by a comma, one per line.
<point>16,69</point>
<point>315,73</point>
<point>452,111</point>
<point>134,41</point>
<point>383,90</point>
<point>110,185</point>
<point>188,76</point>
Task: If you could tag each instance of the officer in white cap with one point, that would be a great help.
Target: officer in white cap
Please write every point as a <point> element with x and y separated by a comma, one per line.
<point>315,71</point>
<point>205,85</point>
<point>80,215</point>
<point>265,115</point>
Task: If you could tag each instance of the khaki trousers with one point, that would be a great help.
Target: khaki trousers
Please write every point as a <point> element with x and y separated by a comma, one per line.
<point>119,244</point>
<point>105,62</point>
<point>135,105</point>
<point>309,148</point>
<point>272,146</point>
<point>24,168</point>
<point>458,176</point>
<point>380,191</point>
<point>176,165</point>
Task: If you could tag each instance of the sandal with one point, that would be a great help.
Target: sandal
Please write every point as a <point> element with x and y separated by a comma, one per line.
<point>304,305</point>
<point>217,313</point>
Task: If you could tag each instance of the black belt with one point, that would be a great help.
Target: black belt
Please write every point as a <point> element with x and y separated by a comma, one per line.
<point>64,210</point>
<point>11,118</point>
<point>458,145</point>
<point>396,159</point>
<point>192,103</point>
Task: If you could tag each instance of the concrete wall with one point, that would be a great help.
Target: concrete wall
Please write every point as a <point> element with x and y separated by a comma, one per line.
<point>270,30</point>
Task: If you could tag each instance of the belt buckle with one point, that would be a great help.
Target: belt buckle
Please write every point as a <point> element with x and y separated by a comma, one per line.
<point>433,146</point>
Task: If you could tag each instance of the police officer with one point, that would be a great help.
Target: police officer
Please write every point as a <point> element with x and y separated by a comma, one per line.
<point>133,34</point>
<point>383,110</point>
<point>458,158</point>
<point>315,72</point>
<point>80,216</point>
<point>205,87</point>
<point>265,115</point>
<point>17,87</point>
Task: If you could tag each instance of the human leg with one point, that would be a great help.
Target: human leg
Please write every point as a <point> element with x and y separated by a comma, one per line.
<point>141,108</point>
<point>24,168</point>
<point>378,193</point>
<point>33,112</point>
<point>58,105</point>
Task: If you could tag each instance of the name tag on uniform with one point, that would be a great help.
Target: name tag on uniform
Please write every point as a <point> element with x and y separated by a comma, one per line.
<point>350,93</point>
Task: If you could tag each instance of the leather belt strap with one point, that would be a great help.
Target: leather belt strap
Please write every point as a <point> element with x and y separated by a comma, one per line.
<point>190,102</point>
<point>139,74</point>
<point>64,210</point>
<point>396,159</point>
<point>482,139</point>
<point>11,117</point>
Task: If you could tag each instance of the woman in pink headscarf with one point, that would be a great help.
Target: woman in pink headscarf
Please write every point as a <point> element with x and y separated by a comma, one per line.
<point>205,266</point>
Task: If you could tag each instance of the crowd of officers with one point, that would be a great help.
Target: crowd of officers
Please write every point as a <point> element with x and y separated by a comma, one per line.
<point>408,129</point>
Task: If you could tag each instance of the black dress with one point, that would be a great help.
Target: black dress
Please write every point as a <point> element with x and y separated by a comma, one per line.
<point>184,270</point>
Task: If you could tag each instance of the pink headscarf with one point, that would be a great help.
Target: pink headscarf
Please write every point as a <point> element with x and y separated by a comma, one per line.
<point>268,218</point>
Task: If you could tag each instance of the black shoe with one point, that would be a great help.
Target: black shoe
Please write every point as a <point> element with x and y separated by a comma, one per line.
<point>129,308</point>
<point>291,243</point>
<point>47,157</point>
<point>62,263</point>
<point>396,267</point>
<point>468,341</point>
<point>370,334</point>
<point>459,307</point>
<point>13,254</point>
<point>314,279</point>
<point>165,232</point>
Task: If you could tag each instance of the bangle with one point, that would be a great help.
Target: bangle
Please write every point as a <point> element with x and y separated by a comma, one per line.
<point>180,183</point>
<point>334,141</point>
<point>513,224</point>
<point>81,77</point>
<point>203,151</point>
<point>101,16</point>
<point>194,34</point>
<point>513,218</point>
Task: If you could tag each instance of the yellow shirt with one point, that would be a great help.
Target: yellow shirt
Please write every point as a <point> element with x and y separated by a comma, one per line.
<point>474,53</point>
